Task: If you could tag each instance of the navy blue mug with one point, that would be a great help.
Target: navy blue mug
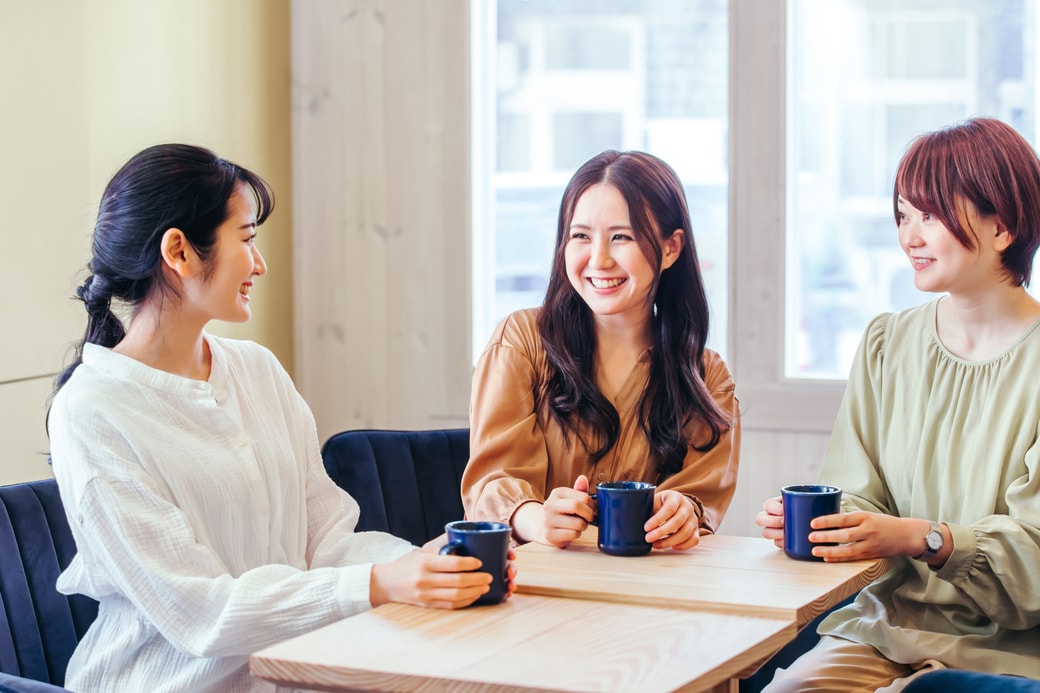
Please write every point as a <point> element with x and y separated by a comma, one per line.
<point>488,541</point>
<point>624,508</point>
<point>802,503</point>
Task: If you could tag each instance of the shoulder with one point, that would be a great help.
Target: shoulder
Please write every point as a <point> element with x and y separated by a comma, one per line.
<point>243,355</point>
<point>241,349</point>
<point>887,331</point>
<point>519,330</point>
<point>717,376</point>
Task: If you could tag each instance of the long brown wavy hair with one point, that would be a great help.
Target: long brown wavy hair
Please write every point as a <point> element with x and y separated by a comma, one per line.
<point>675,392</point>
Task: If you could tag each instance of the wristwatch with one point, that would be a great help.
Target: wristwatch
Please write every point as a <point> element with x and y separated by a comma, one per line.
<point>933,543</point>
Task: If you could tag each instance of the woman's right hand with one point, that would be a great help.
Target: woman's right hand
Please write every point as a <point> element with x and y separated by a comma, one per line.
<point>771,520</point>
<point>430,580</point>
<point>561,519</point>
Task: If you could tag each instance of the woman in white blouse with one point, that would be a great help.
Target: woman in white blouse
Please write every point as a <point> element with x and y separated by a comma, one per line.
<point>188,464</point>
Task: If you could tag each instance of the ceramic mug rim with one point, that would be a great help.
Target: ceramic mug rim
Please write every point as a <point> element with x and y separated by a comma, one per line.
<point>624,486</point>
<point>476,527</point>
<point>810,490</point>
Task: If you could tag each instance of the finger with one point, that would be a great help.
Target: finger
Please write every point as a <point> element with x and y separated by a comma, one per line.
<point>681,538</point>
<point>561,539</point>
<point>676,523</point>
<point>837,521</point>
<point>581,483</point>
<point>453,564</point>
<point>689,542</point>
<point>666,505</point>
<point>764,519</point>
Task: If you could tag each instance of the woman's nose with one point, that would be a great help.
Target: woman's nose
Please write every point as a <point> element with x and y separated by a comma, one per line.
<point>599,255</point>
<point>259,266</point>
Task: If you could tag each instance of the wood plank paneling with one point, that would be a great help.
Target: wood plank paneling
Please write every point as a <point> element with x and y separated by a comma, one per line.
<point>381,241</point>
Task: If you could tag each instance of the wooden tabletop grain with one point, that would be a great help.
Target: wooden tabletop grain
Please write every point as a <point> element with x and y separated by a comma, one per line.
<point>527,643</point>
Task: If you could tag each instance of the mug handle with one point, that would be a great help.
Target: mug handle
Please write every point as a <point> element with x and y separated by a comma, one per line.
<point>455,548</point>
<point>595,517</point>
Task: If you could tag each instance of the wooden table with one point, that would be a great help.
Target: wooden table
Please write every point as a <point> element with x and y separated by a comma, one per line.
<point>742,575</point>
<point>584,621</point>
<point>528,643</point>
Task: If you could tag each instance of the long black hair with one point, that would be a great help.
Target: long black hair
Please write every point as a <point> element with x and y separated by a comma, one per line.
<point>675,393</point>
<point>162,187</point>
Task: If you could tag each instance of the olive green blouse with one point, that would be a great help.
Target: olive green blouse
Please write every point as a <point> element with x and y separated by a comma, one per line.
<point>922,433</point>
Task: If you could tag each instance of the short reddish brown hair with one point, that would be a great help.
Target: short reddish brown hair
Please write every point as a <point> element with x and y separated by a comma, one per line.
<point>985,162</point>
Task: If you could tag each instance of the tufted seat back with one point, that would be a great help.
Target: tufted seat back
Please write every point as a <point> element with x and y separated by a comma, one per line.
<point>39,627</point>
<point>406,482</point>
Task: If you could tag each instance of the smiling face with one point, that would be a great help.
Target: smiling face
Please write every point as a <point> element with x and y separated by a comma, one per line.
<point>221,291</point>
<point>605,263</point>
<point>941,262</point>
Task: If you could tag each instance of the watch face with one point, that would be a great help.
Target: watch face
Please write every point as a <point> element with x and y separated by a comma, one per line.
<point>934,541</point>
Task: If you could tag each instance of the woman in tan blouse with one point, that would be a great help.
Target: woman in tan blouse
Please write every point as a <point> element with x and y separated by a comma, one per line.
<point>609,380</point>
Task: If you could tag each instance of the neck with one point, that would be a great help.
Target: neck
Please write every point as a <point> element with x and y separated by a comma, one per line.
<point>168,341</point>
<point>619,335</point>
<point>984,324</point>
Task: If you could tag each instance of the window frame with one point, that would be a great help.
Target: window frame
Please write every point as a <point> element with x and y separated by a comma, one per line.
<point>757,233</point>
<point>758,223</point>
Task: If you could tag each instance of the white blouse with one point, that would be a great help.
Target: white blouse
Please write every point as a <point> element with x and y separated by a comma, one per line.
<point>206,525</point>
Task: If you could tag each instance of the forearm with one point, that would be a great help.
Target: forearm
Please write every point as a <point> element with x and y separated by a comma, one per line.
<point>528,522</point>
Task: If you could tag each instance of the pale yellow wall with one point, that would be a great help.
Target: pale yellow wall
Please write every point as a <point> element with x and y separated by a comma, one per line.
<point>84,84</point>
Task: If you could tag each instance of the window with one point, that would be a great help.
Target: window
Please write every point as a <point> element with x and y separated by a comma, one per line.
<point>785,121</point>
<point>557,83</point>
<point>866,77</point>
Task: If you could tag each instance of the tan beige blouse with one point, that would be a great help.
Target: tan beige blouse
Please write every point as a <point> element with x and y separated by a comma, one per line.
<point>514,459</point>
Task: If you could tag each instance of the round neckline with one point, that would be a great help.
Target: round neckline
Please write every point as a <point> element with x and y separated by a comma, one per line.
<point>985,362</point>
<point>121,365</point>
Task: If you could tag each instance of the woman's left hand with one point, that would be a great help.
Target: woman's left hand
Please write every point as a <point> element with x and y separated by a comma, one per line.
<point>434,545</point>
<point>674,524</point>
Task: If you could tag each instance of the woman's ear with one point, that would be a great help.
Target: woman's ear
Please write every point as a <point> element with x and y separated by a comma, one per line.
<point>177,253</point>
<point>1003,238</point>
<point>671,249</point>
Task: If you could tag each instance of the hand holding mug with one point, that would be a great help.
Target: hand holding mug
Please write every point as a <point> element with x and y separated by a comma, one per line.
<point>567,513</point>
<point>675,523</point>
<point>488,542</point>
<point>771,520</point>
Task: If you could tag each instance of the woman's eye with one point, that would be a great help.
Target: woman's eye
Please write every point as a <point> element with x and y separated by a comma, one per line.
<point>620,237</point>
<point>578,235</point>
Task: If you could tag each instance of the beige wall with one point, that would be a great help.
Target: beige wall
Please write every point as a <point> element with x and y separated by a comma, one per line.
<point>84,84</point>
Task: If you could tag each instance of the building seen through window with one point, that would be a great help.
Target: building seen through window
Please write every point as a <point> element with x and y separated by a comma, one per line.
<point>557,82</point>
<point>866,77</point>
<point>571,79</point>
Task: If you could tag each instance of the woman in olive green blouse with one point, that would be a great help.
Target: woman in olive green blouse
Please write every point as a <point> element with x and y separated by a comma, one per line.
<point>937,443</point>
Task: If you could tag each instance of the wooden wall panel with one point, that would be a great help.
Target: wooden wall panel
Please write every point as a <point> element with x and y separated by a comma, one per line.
<point>381,240</point>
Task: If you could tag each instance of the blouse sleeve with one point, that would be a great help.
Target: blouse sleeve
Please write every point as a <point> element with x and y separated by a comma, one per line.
<point>332,514</point>
<point>709,478</point>
<point>508,456</point>
<point>851,461</point>
<point>138,544</point>
<point>994,560</point>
